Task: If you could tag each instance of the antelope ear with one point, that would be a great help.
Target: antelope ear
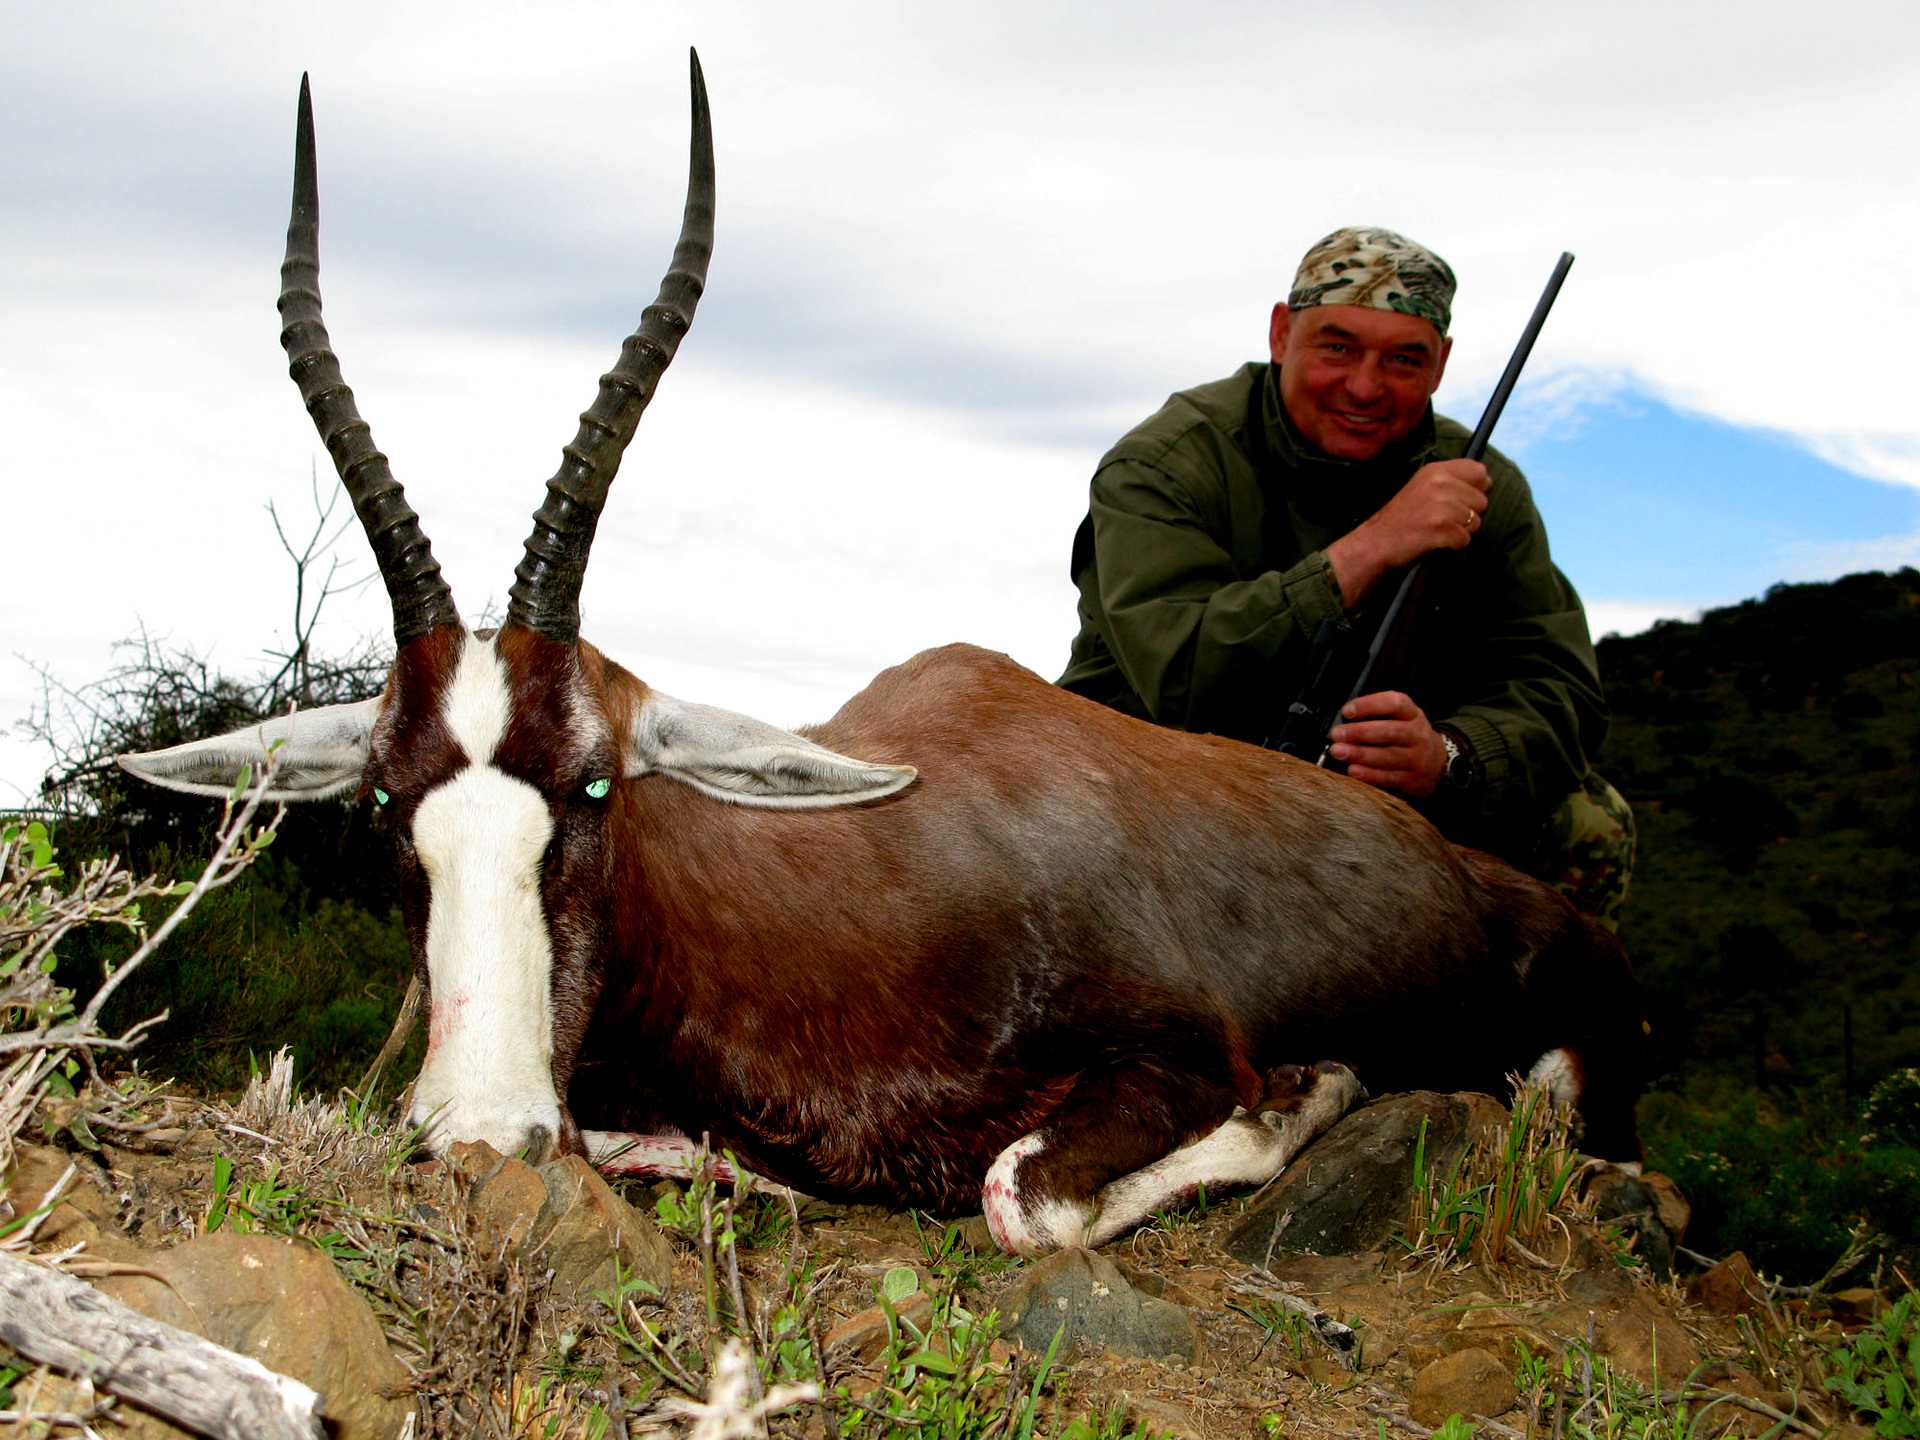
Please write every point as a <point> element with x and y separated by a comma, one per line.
<point>735,757</point>
<point>324,752</point>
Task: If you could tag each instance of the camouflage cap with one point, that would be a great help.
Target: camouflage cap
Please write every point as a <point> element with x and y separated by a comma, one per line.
<point>1379,269</point>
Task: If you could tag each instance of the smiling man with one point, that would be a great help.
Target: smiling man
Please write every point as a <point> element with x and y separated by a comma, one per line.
<point>1228,526</point>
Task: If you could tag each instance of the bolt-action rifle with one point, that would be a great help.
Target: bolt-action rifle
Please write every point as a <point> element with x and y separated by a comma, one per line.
<point>1317,710</point>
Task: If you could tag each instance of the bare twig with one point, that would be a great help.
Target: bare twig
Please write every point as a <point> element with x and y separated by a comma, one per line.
<point>1746,1402</point>
<point>397,1038</point>
<point>222,869</point>
<point>1398,1421</point>
<point>1338,1338</point>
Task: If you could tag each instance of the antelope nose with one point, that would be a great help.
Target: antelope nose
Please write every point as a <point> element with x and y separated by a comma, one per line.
<point>535,1144</point>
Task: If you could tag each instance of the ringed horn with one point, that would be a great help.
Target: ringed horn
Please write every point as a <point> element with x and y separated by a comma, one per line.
<point>546,591</point>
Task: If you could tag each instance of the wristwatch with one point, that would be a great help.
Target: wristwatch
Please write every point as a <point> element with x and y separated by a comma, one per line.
<point>1460,770</point>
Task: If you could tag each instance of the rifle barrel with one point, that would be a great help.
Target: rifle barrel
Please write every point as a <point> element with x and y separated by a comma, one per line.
<point>1483,432</point>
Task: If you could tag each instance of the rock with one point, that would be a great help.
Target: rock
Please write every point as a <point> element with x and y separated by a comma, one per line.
<point>1469,1382</point>
<point>82,1215</point>
<point>475,1161</point>
<point>560,1216</point>
<point>594,1228</point>
<point>1639,1208</point>
<point>282,1303</point>
<point>1673,1208</point>
<point>1426,1341</point>
<point>1601,1283</point>
<point>1087,1294</point>
<point>1857,1306</point>
<point>859,1339</point>
<point>1497,1327</point>
<point>508,1208</point>
<point>1349,1191</point>
<point>1730,1287</point>
<point>1638,1336</point>
<point>1161,1417</point>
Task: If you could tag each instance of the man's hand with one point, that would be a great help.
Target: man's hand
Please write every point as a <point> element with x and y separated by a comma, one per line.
<point>1439,508</point>
<point>1384,739</point>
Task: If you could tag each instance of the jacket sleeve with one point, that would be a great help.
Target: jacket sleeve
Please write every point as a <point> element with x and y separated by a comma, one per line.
<point>1525,688</point>
<point>1204,648</point>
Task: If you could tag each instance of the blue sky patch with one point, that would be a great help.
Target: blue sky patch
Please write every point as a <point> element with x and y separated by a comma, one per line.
<point>1643,499</point>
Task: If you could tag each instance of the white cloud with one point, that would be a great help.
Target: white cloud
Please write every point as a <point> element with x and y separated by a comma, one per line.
<point>1557,405</point>
<point>1882,456</point>
<point>1630,617</point>
<point>1823,560</point>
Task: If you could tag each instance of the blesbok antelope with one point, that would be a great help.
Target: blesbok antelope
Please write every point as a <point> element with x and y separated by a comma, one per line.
<point>1023,953</point>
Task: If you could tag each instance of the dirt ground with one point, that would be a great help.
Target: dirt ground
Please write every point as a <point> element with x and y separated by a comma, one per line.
<point>1253,1378</point>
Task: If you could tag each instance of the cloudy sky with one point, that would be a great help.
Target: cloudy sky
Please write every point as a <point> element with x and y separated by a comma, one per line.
<point>960,249</point>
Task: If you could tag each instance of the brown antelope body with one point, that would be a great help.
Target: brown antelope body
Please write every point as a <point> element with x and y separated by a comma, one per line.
<point>1024,953</point>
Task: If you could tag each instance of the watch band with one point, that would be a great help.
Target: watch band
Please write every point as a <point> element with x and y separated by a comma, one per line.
<point>1461,771</point>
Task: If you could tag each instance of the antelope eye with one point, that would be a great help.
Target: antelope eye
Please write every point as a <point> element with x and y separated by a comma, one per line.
<point>598,789</point>
<point>380,797</point>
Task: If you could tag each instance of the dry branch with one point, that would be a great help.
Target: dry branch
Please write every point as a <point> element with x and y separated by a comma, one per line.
<point>397,1039</point>
<point>57,1320</point>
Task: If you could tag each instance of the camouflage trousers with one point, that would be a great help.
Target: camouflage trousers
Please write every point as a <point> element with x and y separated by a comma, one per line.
<point>1585,850</point>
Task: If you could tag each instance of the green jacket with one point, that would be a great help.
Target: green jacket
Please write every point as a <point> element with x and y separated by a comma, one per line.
<point>1203,578</point>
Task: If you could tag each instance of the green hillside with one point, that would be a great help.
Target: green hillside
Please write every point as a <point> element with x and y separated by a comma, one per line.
<point>1771,752</point>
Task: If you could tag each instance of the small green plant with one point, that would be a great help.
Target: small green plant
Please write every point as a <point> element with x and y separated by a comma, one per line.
<point>1892,1114</point>
<point>679,1210</point>
<point>1454,1427</point>
<point>790,1357</point>
<point>1111,1425</point>
<point>1529,1374</point>
<point>950,1259</point>
<point>1877,1371</point>
<point>942,1381</point>
<point>1620,1240</point>
<point>1276,1321</point>
<point>667,1355</point>
<point>1583,1397</point>
<point>263,1204</point>
<point>1175,1218</point>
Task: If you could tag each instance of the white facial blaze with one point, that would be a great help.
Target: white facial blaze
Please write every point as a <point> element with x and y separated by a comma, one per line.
<point>480,837</point>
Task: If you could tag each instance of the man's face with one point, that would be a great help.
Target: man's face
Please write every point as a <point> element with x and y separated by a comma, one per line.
<point>1355,380</point>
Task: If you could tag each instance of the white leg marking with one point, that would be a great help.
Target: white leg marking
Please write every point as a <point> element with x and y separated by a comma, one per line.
<point>1555,1071</point>
<point>480,837</point>
<point>1016,1226</point>
<point>1248,1149</point>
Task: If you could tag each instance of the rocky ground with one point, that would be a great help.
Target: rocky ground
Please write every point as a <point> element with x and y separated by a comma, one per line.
<point>486,1296</point>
